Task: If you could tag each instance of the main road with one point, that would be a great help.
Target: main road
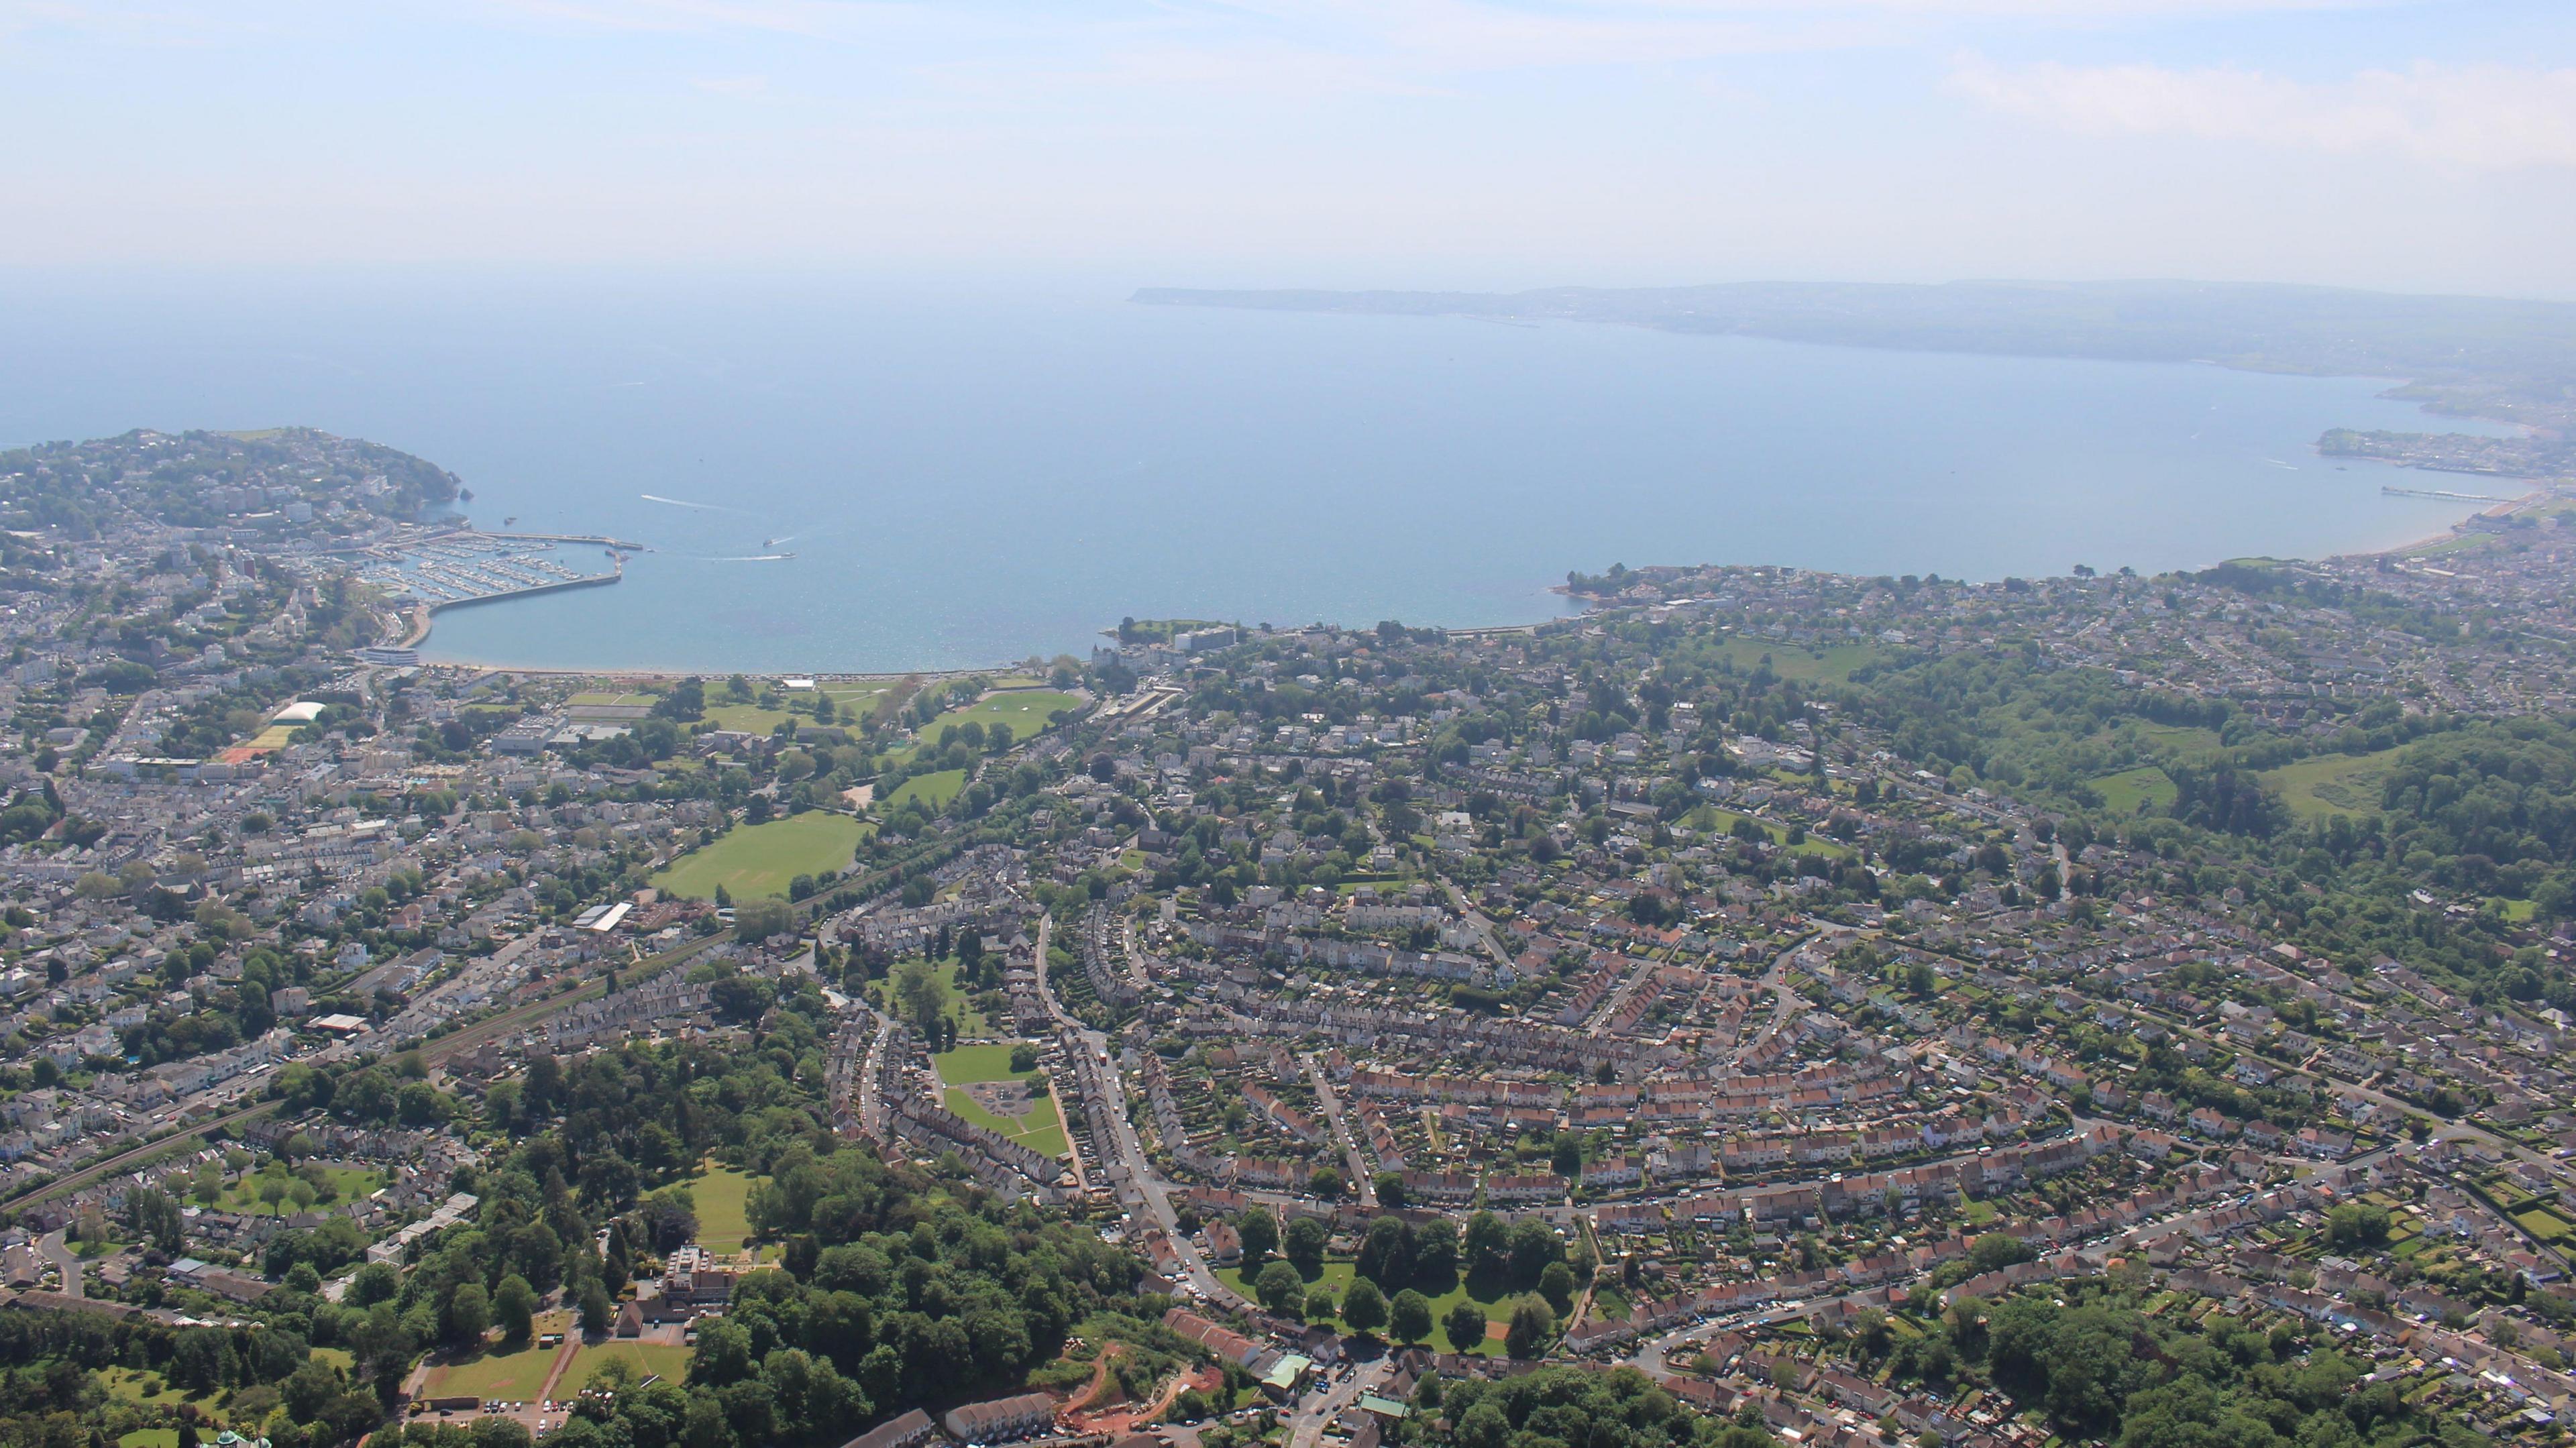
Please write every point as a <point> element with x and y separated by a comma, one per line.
<point>1144,1189</point>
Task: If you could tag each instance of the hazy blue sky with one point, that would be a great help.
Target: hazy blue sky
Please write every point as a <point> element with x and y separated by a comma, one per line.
<point>1435,142</point>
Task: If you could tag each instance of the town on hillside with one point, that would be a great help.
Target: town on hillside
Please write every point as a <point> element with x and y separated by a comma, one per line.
<point>1764,1005</point>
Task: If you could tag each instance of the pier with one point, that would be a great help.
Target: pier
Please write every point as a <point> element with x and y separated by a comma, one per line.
<point>592,580</point>
<point>2387,490</point>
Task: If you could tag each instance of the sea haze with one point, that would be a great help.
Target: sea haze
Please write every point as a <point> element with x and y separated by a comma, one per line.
<point>967,475</point>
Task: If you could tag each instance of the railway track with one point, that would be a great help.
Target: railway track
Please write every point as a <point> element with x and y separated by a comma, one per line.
<point>454,1043</point>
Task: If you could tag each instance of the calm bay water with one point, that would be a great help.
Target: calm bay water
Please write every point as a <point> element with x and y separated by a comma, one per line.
<point>972,474</point>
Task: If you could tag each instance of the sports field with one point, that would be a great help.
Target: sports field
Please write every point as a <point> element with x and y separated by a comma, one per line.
<point>1025,710</point>
<point>755,860</point>
<point>850,701</point>
<point>1793,661</point>
<point>933,790</point>
<point>512,1377</point>
<point>721,1195</point>
<point>647,1358</point>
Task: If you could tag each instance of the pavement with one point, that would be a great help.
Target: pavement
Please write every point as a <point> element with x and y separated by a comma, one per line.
<point>56,1246</point>
<point>1316,1410</point>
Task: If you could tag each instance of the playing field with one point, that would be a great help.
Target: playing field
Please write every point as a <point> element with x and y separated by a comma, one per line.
<point>721,1195</point>
<point>512,1377</point>
<point>1791,661</point>
<point>1025,710</point>
<point>755,860</point>
<point>933,790</point>
<point>850,702</point>
<point>647,1358</point>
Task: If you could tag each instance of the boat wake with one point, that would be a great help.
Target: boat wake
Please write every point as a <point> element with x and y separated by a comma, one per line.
<point>685,503</point>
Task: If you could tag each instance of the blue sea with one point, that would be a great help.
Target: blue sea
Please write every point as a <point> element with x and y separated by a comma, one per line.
<point>971,470</point>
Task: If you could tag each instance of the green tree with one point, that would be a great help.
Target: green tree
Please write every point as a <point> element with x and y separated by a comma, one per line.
<point>1532,1328</point>
<point>1486,1243</point>
<point>1408,1317</point>
<point>1303,1245</point>
<point>514,1308</point>
<point>1279,1287</point>
<point>468,1314</point>
<point>1260,1233</point>
<point>1556,1284</point>
<point>1567,1157</point>
<point>1464,1326</point>
<point>1364,1307</point>
<point>598,1315</point>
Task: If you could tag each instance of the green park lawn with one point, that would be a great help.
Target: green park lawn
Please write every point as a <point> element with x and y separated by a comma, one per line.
<point>647,1358</point>
<point>2125,792</point>
<point>1790,661</point>
<point>512,1377</point>
<point>933,790</point>
<point>978,1063</point>
<point>850,701</point>
<point>1042,1130</point>
<point>1492,1297</point>
<point>130,1385</point>
<point>756,860</point>
<point>722,1196</point>
<point>351,1184</point>
<point>2332,784</point>
<point>1025,710</point>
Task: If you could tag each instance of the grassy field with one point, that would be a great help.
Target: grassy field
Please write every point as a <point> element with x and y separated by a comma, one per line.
<point>756,860</point>
<point>2332,784</point>
<point>2185,741</point>
<point>1790,661</point>
<point>2128,790</point>
<point>849,702</point>
<point>721,1195</point>
<point>1042,1130</point>
<point>352,1184</point>
<point>1710,817</point>
<point>1025,710</point>
<point>513,1377</point>
<point>129,1384</point>
<point>978,1063</point>
<point>1337,1275</point>
<point>647,1358</point>
<point>933,790</point>
<point>2548,1226</point>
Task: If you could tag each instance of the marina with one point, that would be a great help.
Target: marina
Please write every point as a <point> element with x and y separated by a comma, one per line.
<point>452,567</point>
